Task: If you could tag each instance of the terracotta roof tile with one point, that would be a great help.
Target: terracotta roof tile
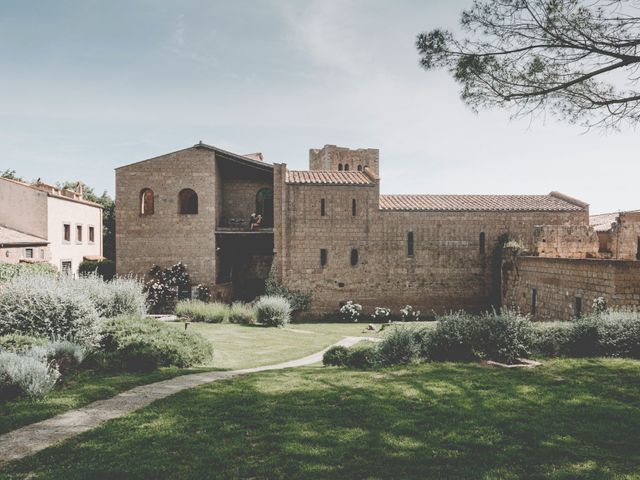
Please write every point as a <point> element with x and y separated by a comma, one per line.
<point>475,203</point>
<point>326,177</point>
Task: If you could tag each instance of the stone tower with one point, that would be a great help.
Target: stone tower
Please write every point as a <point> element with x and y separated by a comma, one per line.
<point>331,157</point>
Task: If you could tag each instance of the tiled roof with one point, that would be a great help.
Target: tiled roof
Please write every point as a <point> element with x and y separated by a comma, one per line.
<point>326,177</point>
<point>602,221</point>
<point>8,236</point>
<point>476,203</point>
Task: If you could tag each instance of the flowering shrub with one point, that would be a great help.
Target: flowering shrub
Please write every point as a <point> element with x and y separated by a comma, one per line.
<point>381,314</point>
<point>599,305</point>
<point>203,293</point>
<point>409,314</point>
<point>165,285</point>
<point>351,311</point>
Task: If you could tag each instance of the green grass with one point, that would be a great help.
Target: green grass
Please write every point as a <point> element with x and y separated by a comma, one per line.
<point>245,346</point>
<point>567,419</point>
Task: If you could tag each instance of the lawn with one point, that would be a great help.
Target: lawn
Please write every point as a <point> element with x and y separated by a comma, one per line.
<point>567,419</point>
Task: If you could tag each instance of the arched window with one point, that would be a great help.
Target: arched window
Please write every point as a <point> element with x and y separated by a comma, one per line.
<point>188,202</point>
<point>359,168</point>
<point>346,166</point>
<point>354,256</point>
<point>339,166</point>
<point>146,201</point>
<point>264,206</point>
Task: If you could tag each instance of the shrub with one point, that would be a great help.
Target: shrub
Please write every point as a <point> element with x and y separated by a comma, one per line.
<point>350,311</point>
<point>136,343</point>
<point>381,314</point>
<point>18,343</point>
<point>400,346</point>
<point>362,355</point>
<point>503,337</point>
<point>242,313</point>
<point>619,334</point>
<point>10,270</point>
<point>551,340</point>
<point>299,301</point>
<point>120,296</point>
<point>197,311</point>
<point>105,269</point>
<point>203,293</point>
<point>46,306</point>
<point>583,338</point>
<point>409,314</point>
<point>452,338</point>
<point>65,355</point>
<point>335,356</point>
<point>25,375</point>
<point>273,311</point>
<point>165,286</point>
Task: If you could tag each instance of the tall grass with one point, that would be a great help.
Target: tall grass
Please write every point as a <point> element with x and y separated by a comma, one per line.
<point>198,311</point>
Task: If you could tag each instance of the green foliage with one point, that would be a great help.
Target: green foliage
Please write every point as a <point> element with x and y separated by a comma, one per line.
<point>400,346</point>
<point>551,340</point>
<point>299,301</point>
<point>11,175</point>
<point>143,344</point>
<point>362,355</point>
<point>25,375</point>
<point>273,311</point>
<point>165,286</point>
<point>19,343</point>
<point>452,338</point>
<point>203,293</point>
<point>10,270</point>
<point>335,356</point>
<point>242,313</point>
<point>197,311</point>
<point>106,269</point>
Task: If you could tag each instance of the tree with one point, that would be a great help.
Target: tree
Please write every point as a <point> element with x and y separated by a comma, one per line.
<point>11,175</point>
<point>108,215</point>
<point>575,59</point>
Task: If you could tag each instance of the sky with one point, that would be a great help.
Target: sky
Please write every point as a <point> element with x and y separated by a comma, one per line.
<point>87,86</point>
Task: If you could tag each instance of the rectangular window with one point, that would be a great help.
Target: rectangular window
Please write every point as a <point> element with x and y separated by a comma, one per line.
<point>578,311</point>
<point>534,300</point>
<point>323,257</point>
<point>482,243</point>
<point>92,234</point>
<point>42,254</point>
<point>28,252</point>
<point>79,233</point>
<point>410,244</point>
<point>638,250</point>
<point>353,207</point>
<point>322,210</point>
<point>67,232</point>
<point>66,267</point>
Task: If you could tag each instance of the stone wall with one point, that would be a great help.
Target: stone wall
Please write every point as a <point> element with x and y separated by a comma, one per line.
<point>558,282</point>
<point>331,157</point>
<point>565,241</point>
<point>446,271</point>
<point>238,194</point>
<point>167,237</point>
<point>624,240</point>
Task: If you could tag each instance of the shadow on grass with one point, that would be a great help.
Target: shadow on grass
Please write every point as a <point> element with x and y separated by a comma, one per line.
<point>570,419</point>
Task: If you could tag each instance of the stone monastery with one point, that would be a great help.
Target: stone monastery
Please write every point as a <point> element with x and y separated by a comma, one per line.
<point>330,232</point>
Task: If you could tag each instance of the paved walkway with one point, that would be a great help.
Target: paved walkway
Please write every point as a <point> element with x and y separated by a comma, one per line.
<point>31,439</point>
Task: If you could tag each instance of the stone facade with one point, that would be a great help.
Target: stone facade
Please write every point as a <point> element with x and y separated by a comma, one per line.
<point>564,288</point>
<point>565,241</point>
<point>331,157</point>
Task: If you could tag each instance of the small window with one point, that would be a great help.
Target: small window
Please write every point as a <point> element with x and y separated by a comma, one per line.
<point>346,167</point>
<point>28,252</point>
<point>322,209</point>
<point>339,166</point>
<point>482,243</point>
<point>323,257</point>
<point>67,267</point>
<point>66,232</point>
<point>578,310</point>
<point>147,201</point>
<point>359,168</point>
<point>534,300</point>
<point>354,256</point>
<point>353,207</point>
<point>188,202</point>
<point>92,234</point>
<point>410,244</point>
<point>79,233</point>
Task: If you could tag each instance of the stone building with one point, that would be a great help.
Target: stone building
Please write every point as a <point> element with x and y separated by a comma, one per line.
<point>327,230</point>
<point>41,222</point>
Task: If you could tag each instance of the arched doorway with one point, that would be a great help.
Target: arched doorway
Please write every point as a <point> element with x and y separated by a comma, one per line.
<point>264,206</point>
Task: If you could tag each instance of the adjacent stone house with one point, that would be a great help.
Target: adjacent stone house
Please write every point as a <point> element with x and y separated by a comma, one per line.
<point>326,230</point>
<point>41,222</point>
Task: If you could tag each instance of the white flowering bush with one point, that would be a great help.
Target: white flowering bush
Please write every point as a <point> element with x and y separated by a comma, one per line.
<point>599,305</point>
<point>381,314</point>
<point>351,311</point>
<point>165,286</point>
<point>203,293</point>
<point>409,314</point>
<point>46,306</point>
<point>25,375</point>
<point>273,311</point>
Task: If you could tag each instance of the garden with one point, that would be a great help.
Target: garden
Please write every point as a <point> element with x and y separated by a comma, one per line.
<point>416,399</point>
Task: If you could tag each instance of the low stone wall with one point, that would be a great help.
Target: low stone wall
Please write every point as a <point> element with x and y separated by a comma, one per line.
<point>563,288</point>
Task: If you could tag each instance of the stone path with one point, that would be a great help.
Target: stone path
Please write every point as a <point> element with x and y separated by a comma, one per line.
<point>32,438</point>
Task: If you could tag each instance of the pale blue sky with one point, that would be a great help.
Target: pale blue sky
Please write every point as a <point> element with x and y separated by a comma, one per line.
<point>87,86</point>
